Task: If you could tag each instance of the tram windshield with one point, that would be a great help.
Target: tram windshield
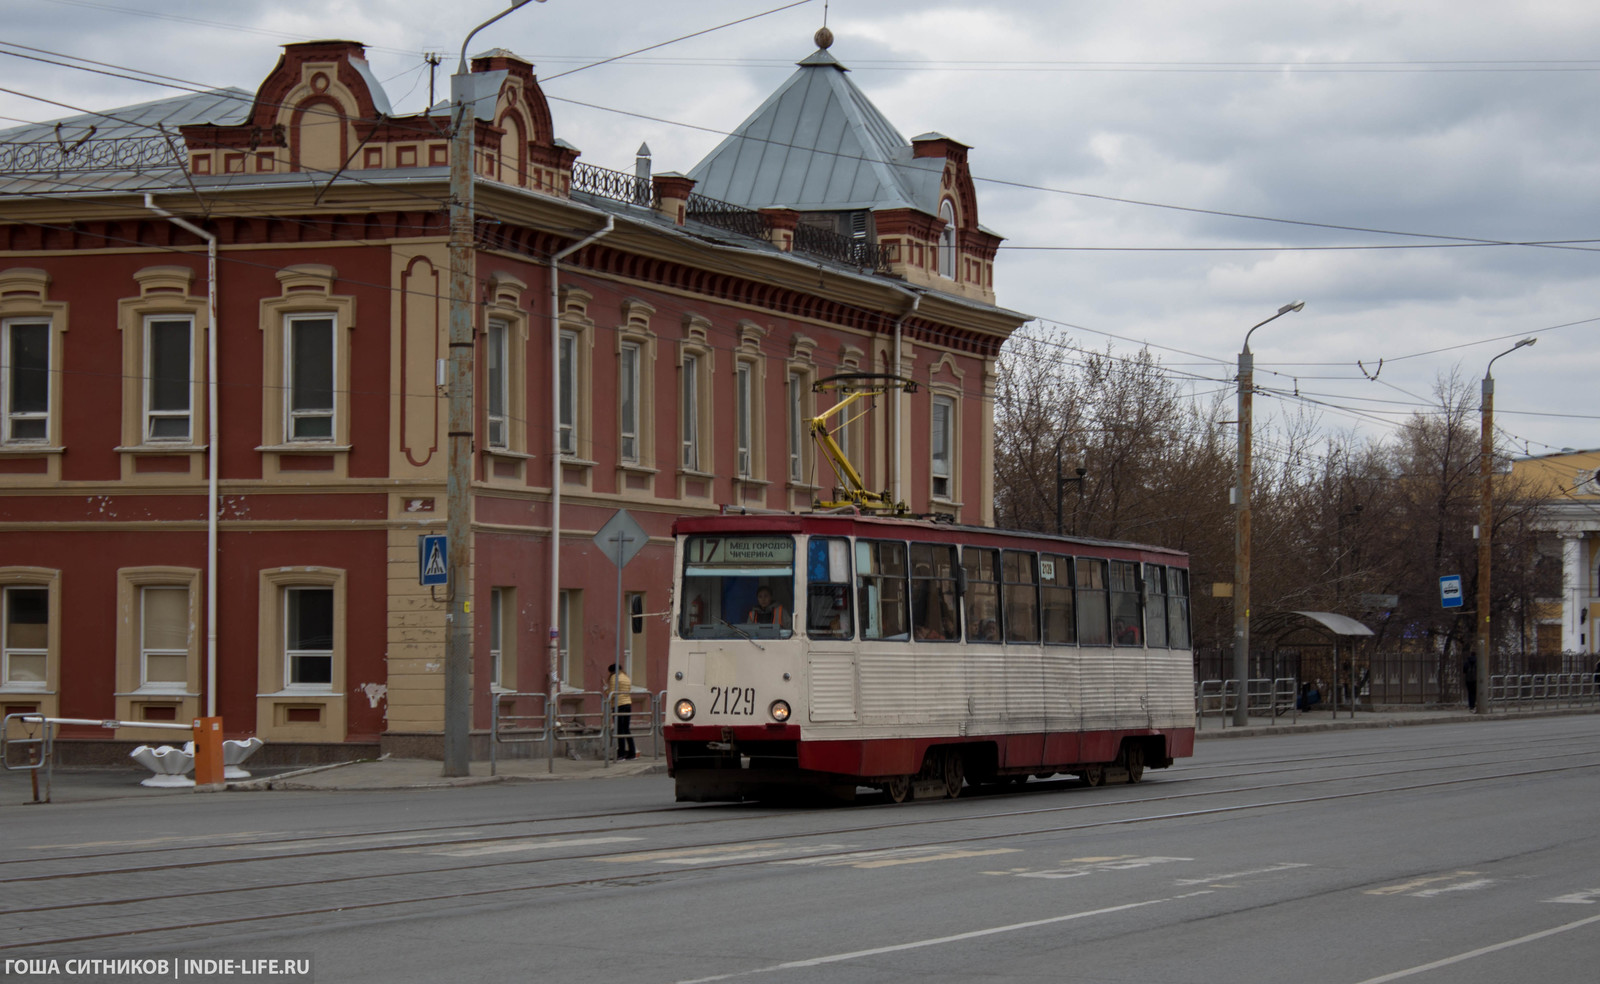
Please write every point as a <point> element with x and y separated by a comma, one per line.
<point>737,587</point>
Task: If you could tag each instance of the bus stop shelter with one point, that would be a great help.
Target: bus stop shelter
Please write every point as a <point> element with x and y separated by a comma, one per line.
<point>1328,639</point>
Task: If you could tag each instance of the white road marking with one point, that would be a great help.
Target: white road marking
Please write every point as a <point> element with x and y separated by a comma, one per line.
<point>475,849</point>
<point>1481,951</point>
<point>940,940</point>
<point>896,856</point>
<point>1286,866</point>
<point>1457,887</point>
<point>1088,866</point>
<point>754,851</point>
<point>1410,887</point>
<point>1587,897</point>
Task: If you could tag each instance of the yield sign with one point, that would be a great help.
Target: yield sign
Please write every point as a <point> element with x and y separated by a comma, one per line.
<point>621,538</point>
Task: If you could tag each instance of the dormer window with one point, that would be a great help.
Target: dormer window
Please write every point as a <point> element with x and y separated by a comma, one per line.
<point>947,240</point>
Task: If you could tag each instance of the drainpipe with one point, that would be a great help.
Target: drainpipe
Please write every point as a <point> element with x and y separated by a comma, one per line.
<point>213,442</point>
<point>555,447</point>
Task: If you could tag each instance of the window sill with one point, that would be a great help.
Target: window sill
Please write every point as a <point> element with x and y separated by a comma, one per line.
<point>306,447</point>
<point>696,473</point>
<point>174,448</point>
<point>302,694</point>
<point>634,468</point>
<point>577,462</point>
<point>15,689</point>
<point>751,481</point>
<point>508,453</point>
<point>157,692</point>
<point>20,448</point>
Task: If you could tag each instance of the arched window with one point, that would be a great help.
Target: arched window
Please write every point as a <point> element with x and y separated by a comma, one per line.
<point>947,240</point>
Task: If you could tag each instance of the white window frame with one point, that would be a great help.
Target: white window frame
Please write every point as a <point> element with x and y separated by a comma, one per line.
<point>146,685</point>
<point>798,387</point>
<point>496,637</point>
<point>567,382</point>
<point>689,400</point>
<point>151,414</point>
<point>290,656</point>
<point>564,638</point>
<point>630,360</point>
<point>942,479</point>
<point>9,416</point>
<point>9,652</point>
<point>497,384</point>
<point>744,413</point>
<point>292,416</point>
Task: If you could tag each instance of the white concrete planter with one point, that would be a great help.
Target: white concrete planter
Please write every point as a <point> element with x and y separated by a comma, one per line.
<point>169,764</point>
<point>234,752</point>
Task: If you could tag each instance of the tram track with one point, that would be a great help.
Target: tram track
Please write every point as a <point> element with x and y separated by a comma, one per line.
<point>1186,774</point>
<point>634,876</point>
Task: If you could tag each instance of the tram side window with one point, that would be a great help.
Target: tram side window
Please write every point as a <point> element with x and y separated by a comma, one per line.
<point>1127,622</point>
<point>1055,580</point>
<point>1155,604</point>
<point>1178,608</point>
<point>881,589</point>
<point>1021,573</point>
<point>983,593</point>
<point>828,589</point>
<point>933,592</point>
<point>1094,628</point>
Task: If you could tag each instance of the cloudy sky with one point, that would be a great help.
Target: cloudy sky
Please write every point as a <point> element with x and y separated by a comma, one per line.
<point>1424,174</point>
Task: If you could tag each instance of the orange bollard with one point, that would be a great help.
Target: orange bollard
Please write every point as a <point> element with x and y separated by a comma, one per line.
<point>208,755</point>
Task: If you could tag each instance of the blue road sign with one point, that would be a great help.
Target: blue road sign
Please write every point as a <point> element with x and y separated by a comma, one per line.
<point>1450,591</point>
<point>433,559</point>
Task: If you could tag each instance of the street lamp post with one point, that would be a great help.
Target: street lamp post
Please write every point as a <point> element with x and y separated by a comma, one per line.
<point>458,483</point>
<point>1241,540</point>
<point>1486,520</point>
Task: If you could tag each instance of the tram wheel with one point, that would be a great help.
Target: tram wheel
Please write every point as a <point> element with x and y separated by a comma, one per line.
<point>955,773</point>
<point>898,789</point>
<point>1134,755</point>
<point>1094,775</point>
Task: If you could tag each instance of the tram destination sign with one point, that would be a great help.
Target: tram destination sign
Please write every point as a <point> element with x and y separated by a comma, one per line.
<point>741,551</point>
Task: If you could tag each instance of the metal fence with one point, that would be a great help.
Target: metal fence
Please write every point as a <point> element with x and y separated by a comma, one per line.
<point>570,719</point>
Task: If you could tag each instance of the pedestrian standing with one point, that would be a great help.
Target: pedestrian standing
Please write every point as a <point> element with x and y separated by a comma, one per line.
<point>1469,676</point>
<point>619,693</point>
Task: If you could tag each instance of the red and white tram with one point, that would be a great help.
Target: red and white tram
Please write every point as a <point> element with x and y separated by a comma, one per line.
<point>832,651</point>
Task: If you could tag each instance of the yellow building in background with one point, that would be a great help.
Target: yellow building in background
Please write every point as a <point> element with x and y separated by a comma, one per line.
<point>1570,481</point>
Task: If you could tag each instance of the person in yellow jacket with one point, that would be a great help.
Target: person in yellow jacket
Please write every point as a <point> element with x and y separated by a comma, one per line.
<point>619,692</point>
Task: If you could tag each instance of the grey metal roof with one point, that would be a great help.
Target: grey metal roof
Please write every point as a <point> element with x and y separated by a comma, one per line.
<point>818,143</point>
<point>121,150</point>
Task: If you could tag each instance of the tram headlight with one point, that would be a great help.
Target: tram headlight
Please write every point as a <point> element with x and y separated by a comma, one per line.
<point>684,709</point>
<point>779,711</point>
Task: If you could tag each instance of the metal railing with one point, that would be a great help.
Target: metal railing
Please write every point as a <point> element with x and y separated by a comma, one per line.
<point>1530,691</point>
<point>39,746</point>
<point>618,186</point>
<point>1221,696</point>
<point>570,716</point>
<point>1263,697</point>
<point>54,156</point>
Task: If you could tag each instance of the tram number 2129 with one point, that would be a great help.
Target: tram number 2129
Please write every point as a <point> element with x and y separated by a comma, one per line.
<point>733,700</point>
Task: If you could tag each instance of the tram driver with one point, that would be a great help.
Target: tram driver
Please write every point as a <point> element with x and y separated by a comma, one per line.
<point>767,611</point>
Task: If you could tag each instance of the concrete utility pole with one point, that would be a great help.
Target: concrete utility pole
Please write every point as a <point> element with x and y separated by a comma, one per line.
<point>1241,539</point>
<point>1486,524</point>
<point>458,487</point>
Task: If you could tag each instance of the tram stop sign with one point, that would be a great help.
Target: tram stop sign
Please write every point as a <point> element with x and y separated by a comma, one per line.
<point>621,538</point>
<point>1450,591</point>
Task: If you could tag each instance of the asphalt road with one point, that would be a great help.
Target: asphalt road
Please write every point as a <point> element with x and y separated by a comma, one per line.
<point>1453,853</point>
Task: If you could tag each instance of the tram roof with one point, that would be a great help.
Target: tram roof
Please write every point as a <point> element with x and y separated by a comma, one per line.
<point>909,527</point>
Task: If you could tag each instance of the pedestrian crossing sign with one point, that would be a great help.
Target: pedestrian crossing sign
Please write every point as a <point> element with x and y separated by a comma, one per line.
<point>433,559</point>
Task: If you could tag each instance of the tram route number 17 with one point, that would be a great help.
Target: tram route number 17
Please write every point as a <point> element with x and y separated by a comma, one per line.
<point>733,700</point>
